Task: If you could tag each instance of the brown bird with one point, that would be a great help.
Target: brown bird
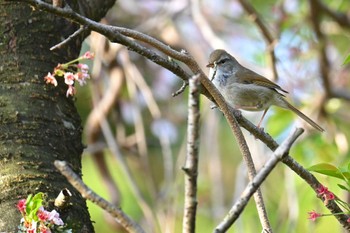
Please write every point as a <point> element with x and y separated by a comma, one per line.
<point>247,90</point>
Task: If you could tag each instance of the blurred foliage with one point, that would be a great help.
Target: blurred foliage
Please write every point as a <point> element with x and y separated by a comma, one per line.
<point>141,132</point>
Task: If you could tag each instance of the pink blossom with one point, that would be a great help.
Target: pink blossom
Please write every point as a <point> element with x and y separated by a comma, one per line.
<point>348,220</point>
<point>21,205</point>
<point>54,216</point>
<point>322,190</point>
<point>327,195</point>
<point>83,67</point>
<point>42,214</point>
<point>88,55</point>
<point>313,215</point>
<point>49,78</point>
<point>81,78</point>
<point>330,196</point>
<point>71,91</point>
<point>69,78</point>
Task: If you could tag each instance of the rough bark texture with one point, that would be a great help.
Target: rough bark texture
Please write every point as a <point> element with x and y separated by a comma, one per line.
<point>38,124</point>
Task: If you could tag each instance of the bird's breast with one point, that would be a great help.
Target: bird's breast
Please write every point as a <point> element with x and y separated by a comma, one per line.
<point>248,97</point>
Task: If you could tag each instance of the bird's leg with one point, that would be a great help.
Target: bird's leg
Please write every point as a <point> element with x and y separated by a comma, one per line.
<point>262,117</point>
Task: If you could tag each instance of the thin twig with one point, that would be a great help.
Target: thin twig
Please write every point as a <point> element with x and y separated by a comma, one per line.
<point>323,65</point>
<point>316,9</point>
<point>88,194</point>
<point>204,27</point>
<point>181,89</point>
<point>191,164</point>
<point>112,145</point>
<point>269,38</point>
<point>341,18</point>
<point>100,110</point>
<point>69,38</point>
<point>253,185</point>
<point>139,125</point>
<point>134,73</point>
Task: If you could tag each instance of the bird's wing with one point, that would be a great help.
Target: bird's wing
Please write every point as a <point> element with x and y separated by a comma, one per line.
<point>250,77</point>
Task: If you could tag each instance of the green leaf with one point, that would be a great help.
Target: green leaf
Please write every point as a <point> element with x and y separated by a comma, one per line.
<point>347,60</point>
<point>33,203</point>
<point>28,203</point>
<point>327,169</point>
<point>343,187</point>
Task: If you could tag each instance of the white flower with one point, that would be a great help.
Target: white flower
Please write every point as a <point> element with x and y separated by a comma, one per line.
<point>69,78</point>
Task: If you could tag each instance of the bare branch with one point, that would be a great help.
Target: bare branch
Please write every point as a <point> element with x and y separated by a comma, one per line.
<point>87,193</point>
<point>253,185</point>
<point>191,164</point>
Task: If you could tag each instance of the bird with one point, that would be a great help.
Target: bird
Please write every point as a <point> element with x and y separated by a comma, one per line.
<point>244,89</point>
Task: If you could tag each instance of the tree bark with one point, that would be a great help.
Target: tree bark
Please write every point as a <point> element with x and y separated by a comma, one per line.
<point>38,123</point>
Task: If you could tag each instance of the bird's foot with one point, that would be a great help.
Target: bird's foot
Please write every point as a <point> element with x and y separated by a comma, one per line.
<point>213,106</point>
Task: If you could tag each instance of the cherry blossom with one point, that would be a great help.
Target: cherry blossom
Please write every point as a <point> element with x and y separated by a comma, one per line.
<point>71,91</point>
<point>21,205</point>
<point>88,55</point>
<point>69,78</point>
<point>50,79</point>
<point>313,215</point>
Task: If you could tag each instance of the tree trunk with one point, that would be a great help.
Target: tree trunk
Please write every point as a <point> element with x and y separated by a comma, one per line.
<point>38,123</point>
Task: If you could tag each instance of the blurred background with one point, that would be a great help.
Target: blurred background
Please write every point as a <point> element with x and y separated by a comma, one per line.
<point>134,159</point>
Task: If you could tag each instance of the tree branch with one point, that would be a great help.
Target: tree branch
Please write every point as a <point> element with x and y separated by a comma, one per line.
<point>87,193</point>
<point>253,185</point>
<point>191,164</point>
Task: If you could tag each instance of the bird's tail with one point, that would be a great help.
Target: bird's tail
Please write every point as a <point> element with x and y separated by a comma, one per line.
<point>303,116</point>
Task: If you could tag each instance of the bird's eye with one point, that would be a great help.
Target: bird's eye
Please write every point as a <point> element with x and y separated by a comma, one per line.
<point>220,62</point>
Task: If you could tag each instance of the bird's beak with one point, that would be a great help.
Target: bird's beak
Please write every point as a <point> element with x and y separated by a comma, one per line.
<point>211,65</point>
